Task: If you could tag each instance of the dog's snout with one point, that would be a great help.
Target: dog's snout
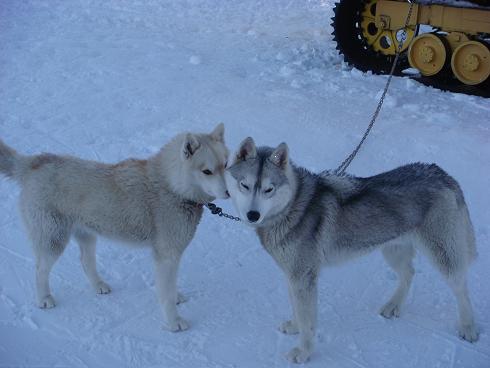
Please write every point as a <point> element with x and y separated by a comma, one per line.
<point>253,216</point>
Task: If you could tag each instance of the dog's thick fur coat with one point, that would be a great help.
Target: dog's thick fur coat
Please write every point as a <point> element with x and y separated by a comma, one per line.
<point>306,220</point>
<point>155,202</point>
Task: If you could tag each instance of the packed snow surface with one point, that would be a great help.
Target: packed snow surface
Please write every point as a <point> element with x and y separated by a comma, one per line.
<point>107,80</point>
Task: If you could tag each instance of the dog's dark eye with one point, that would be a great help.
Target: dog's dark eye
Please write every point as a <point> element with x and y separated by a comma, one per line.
<point>245,186</point>
<point>207,172</point>
<point>268,190</point>
<point>226,164</point>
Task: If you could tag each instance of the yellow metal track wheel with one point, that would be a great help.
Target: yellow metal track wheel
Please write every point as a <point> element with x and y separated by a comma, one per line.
<point>428,53</point>
<point>380,40</point>
<point>471,62</point>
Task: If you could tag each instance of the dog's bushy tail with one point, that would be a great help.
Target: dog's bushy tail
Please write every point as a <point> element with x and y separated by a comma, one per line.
<point>470,236</point>
<point>8,160</point>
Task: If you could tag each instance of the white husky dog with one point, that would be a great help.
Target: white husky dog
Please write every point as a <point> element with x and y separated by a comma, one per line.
<point>306,221</point>
<point>156,202</point>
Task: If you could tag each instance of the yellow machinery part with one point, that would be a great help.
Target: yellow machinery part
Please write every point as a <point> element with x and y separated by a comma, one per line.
<point>427,53</point>
<point>382,40</point>
<point>391,15</point>
<point>471,62</point>
<point>454,39</point>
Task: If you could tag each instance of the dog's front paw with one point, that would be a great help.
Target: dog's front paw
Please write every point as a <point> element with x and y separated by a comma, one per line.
<point>390,310</point>
<point>289,328</point>
<point>468,333</point>
<point>102,288</point>
<point>298,355</point>
<point>178,325</point>
<point>46,302</point>
<point>181,298</point>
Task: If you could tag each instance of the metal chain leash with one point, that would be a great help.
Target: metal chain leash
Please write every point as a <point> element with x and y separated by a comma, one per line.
<point>345,164</point>
<point>215,210</point>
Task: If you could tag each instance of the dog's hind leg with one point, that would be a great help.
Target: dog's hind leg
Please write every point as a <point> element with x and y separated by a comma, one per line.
<point>445,240</point>
<point>44,264</point>
<point>49,240</point>
<point>399,257</point>
<point>87,242</point>
<point>467,328</point>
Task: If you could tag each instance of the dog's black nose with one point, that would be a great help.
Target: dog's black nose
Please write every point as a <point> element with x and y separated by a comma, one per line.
<point>253,216</point>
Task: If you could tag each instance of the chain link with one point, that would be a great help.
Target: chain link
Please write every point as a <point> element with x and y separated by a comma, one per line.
<point>345,164</point>
<point>215,210</point>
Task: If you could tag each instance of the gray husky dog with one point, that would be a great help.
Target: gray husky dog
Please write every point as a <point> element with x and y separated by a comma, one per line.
<point>306,220</point>
<point>156,202</point>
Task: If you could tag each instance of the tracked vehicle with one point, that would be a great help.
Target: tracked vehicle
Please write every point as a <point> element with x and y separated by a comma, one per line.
<point>447,42</point>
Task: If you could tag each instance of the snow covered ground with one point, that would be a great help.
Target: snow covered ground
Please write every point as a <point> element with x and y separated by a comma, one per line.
<point>106,80</point>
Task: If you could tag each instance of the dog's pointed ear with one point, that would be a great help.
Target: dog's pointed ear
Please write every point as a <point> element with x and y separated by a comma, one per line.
<point>218,134</point>
<point>189,146</point>
<point>280,156</point>
<point>247,150</point>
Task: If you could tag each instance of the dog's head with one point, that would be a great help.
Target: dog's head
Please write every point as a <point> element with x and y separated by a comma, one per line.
<point>205,158</point>
<point>260,181</point>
